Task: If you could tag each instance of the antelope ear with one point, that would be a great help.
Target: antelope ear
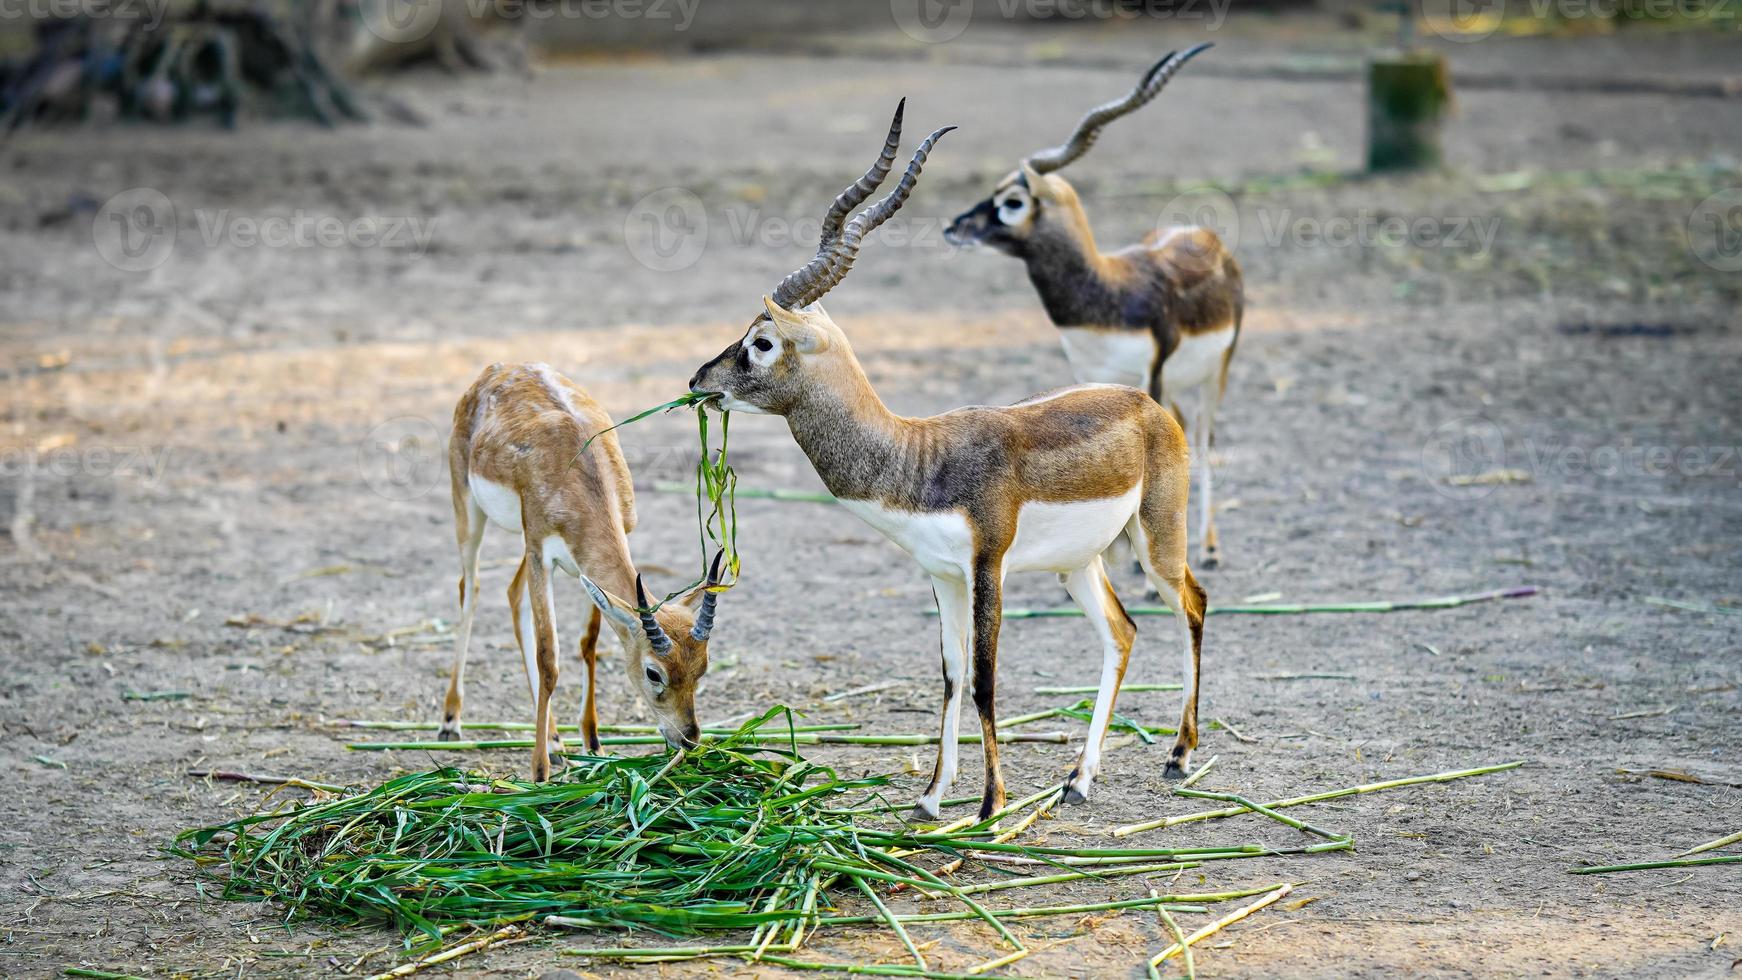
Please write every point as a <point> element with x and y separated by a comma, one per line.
<point>796,328</point>
<point>780,314</point>
<point>1037,183</point>
<point>615,609</point>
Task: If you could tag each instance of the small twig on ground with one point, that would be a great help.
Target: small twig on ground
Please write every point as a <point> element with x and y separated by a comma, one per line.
<point>857,691</point>
<point>450,954</point>
<point>1712,845</point>
<point>1230,729</point>
<point>1181,946</point>
<point>249,777</point>
<point>1203,771</point>
<point>1645,713</point>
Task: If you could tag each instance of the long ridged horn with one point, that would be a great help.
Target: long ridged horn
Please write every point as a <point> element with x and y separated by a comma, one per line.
<point>705,615</point>
<point>655,632</point>
<point>1046,161</point>
<point>846,249</point>
<point>796,285</point>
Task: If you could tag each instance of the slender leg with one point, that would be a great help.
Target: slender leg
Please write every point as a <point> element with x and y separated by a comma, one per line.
<point>1091,590</point>
<point>1160,539</point>
<point>544,629</point>
<point>590,657</point>
<point>987,602</point>
<point>524,634</point>
<point>1210,398</point>
<point>470,521</point>
<point>953,614</point>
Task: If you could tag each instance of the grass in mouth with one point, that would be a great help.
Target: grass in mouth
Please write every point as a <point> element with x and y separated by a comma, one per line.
<point>715,487</point>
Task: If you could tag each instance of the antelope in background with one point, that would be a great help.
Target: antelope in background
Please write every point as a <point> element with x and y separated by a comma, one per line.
<point>1162,315</point>
<point>520,459</point>
<point>974,494</point>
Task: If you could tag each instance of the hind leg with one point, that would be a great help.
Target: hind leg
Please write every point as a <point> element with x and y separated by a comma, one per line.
<point>1202,434</point>
<point>469,524</point>
<point>1091,590</point>
<point>1161,545</point>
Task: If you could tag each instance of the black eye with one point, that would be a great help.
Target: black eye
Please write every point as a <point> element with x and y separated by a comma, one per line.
<point>763,344</point>
<point>653,675</point>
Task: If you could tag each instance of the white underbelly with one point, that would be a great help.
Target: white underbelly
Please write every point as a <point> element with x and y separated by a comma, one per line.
<point>500,504</point>
<point>940,541</point>
<point>1196,360</point>
<point>1062,537</point>
<point>1050,537</point>
<point>1109,356</point>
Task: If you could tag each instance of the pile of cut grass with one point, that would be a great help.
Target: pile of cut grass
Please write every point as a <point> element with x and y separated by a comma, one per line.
<point>743,834</point>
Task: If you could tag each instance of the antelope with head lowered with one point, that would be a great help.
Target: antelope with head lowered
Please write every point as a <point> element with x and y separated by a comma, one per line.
<point>520,458</point>
<point>1162,315</point>
<point>974,494</point>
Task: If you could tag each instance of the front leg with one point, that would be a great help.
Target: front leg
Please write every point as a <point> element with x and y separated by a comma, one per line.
<point>545,664</point>
<point>988,605</point>
<point>590,657</point>
<point>953,615</point>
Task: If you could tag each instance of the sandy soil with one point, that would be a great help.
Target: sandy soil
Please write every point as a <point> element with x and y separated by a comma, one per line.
<point>250,434</point>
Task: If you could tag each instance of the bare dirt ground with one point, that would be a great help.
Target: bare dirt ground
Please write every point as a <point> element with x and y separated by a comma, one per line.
<point>222,475</point>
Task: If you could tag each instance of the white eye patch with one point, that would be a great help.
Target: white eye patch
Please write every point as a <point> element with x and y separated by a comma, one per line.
<point>762,347</point>
<point>1013,209</point>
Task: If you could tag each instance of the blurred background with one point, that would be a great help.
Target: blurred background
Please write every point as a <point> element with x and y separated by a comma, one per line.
<point>251,253</point>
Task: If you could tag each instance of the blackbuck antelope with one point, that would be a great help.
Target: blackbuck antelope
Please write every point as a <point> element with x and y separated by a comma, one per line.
<point>974,494</point>
<point>1162,315</point>
<point>517,461</point>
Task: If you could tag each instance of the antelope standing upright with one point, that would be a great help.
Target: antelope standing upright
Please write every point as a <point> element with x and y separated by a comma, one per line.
<point>1043,485</point>
<point>1162,315</point>
<point>520,459</point>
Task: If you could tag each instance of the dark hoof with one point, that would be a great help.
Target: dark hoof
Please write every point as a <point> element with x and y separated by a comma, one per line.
<point>1073,797</point>
<point>922,814</point>
<point>1211,560</point>
<point>1177,767</point>
<point>448,735</point>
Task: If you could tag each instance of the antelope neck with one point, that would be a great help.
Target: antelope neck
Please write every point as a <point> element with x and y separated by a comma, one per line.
<point>858,446</point>
<point>1070,276</point>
